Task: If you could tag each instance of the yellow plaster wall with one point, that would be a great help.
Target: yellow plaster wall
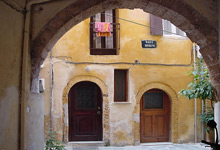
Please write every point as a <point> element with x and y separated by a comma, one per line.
<point>71,58</point>
<point>11,31</point>
<point>130,43</point>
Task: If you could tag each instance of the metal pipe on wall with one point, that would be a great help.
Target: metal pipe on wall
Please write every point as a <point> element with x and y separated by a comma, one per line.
<point>25,72</point>
<point>203,111</point>
<point>194,60</point>
<point>203,129</point>
<point>24,76</point>
<point>51,90</point>
<point>203,104</point>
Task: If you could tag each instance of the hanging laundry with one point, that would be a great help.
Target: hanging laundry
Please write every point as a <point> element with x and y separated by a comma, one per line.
<point>103,29</point>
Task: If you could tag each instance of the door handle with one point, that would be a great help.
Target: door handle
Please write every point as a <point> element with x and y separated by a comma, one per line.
<point>98,112</point>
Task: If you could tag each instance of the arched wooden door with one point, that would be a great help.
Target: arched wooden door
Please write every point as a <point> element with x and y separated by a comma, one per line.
<point>155,117</point>
<point>85,112</point>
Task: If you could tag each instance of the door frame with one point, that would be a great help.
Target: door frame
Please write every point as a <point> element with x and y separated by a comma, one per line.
<point>105,105</point>
<point>174,110</point>
<point>82,112</point>
<point>166,108</point>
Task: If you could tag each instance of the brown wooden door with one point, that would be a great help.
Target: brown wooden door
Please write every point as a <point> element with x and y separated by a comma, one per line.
<point>155,117</point>
<point>85,112</point>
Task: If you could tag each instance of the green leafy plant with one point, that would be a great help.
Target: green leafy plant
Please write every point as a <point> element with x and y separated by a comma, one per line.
<point>206,117</point>
<point>209,115</point>
<point>52,143</point>
<point>201,88</point>
<point>107,143</point>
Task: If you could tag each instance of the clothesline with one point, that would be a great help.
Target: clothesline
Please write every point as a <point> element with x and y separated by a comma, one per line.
<point>142,24</point>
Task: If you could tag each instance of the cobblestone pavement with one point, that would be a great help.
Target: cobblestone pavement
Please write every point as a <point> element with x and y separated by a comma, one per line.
<point>157,147</point>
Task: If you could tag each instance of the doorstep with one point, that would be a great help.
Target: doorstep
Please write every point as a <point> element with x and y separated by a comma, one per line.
<point>156,143</point>
<point>85,144</point>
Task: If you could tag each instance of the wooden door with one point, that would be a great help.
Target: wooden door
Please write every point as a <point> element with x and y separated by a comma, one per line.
<point>85,112</point>
<point>155,117</point>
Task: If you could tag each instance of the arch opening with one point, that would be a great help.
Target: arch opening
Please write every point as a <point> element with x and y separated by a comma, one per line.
<point>182,14</point>
<point>98,84</point>
<point>48,45</point>
<point>187,19</point>
<point>172,135</point>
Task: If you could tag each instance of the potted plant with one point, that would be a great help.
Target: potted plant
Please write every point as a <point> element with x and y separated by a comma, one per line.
<point>52,143</point>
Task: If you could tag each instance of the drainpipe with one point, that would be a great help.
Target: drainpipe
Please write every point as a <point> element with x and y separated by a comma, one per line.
<point>194,60</point>
<point>203,101</point>
<point>51,90</point>
<point>24,82</point>
<point>203,111</point>
<point>203,130</point>
<point>25,71</point>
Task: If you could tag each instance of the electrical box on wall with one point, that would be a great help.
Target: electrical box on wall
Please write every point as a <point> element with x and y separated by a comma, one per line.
<point>42,66</point>
<point>41,85</point>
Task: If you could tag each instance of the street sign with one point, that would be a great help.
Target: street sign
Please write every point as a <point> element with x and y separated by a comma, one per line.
<point>149,44</point>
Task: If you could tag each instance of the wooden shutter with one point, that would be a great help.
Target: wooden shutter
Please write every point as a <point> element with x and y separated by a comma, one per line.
<point>156,25</point>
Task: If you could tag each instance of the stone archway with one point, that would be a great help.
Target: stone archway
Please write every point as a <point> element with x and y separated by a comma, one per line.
<point>104,92</point>
<point>173,114</point>
<point>197,27</point>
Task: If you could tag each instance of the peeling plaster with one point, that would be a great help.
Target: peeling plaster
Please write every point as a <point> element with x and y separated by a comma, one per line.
<point>65,107</point>
<point>136,118</point>
<point>34,127</point>
<point>9,119</point>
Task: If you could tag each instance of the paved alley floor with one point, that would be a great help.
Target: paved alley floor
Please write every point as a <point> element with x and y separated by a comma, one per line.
<point>155,147</point>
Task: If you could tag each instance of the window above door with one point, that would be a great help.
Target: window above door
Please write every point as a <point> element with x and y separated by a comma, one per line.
<point>104,44</point>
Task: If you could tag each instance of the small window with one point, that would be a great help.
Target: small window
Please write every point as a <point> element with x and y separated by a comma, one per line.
<point>104,45</point>
<point>120,85</point>
<point>153,100</point>
<point>171,29</point>
<point>85,97</point>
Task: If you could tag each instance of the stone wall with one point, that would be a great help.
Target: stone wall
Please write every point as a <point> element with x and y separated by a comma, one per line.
<point>11,40</point>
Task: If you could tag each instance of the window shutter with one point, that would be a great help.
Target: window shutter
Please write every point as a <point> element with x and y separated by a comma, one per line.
<point>156,25</point>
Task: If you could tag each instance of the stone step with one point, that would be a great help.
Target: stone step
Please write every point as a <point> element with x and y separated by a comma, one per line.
<point>91,145</point>
<point>82,148</point>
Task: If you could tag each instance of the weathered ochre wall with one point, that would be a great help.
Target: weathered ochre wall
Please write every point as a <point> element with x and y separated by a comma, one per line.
<point>11,42</point>
<point>71,59</point>
<point>11,38</point>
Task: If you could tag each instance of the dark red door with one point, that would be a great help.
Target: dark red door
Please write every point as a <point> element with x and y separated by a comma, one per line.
<point>155,116</point>
<point>85,112</point>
